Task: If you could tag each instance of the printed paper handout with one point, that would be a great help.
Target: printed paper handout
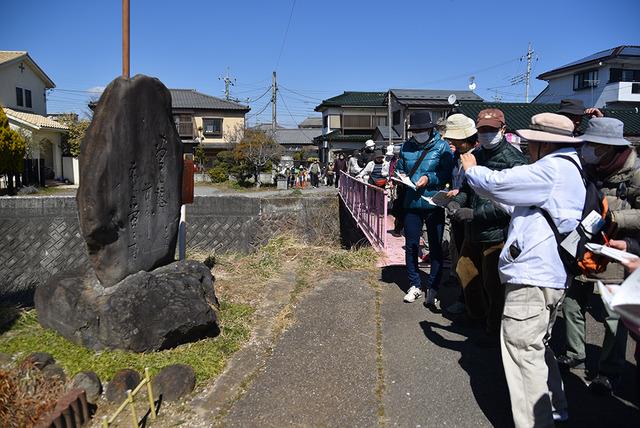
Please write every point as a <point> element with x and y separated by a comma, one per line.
<point>624,299</point>
<point>612,253</point>
<point>439,199</point>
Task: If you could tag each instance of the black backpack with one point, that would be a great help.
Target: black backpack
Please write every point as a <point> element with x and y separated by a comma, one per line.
<point>584,262</point>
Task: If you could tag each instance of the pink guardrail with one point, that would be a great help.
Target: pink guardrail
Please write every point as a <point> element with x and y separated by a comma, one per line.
<point>368,206</point>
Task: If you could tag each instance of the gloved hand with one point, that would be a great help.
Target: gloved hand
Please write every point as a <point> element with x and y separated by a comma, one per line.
<point>452,207</point>
<point>463,214</point>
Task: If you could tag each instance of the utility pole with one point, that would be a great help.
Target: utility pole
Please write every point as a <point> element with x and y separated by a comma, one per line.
<point>389,117</point>
<point>274,99</point>
<point>228,82</point>
<point>125,39</point>
<point>528,74</point>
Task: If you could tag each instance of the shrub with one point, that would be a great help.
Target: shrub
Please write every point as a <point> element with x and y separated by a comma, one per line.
<point>218,174</point>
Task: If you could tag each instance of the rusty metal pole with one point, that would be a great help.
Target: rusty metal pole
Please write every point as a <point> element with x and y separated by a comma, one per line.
<point>125,39</point>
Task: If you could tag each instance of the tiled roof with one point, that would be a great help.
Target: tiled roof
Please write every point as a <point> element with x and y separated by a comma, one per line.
<point>384,132</point>
<point>34,119</point>
<point>192,99</point>
<point>355,99</point>
<point>619,51</point>
<point>418,95</point>
<point>338,136</point>
<point>297,136</point>
<point>311,122</point>
<point>6,56</point>
<point>518,115</point>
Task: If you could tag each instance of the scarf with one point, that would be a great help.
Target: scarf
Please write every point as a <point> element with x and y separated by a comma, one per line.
<point>604,170</point>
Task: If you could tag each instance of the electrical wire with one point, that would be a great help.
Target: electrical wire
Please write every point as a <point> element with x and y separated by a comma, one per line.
<point>284,39</point>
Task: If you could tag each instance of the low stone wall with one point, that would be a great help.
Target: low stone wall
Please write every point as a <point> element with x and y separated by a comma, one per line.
<point>40,236</point>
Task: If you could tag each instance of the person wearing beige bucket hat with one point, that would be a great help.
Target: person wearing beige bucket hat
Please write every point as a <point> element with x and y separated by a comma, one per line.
<point>485,228</point>
<point>530,267</point>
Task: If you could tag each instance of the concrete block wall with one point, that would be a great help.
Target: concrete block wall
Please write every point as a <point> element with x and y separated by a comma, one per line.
<point>40,236</point>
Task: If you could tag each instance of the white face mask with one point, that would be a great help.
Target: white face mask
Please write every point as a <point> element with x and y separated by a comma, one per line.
<point>588,154</point>
<point>489,139</point>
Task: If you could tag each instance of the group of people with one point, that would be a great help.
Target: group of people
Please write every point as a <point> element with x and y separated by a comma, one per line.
<point>312,175</point>
<point>504,214</point>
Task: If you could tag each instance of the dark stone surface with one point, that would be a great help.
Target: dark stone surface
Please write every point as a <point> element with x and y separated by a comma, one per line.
<point>174,382</point>
<point>146,311</point>
<point>130,180</point>
<point>54,371</point>
<point>90,383</point>
<point>39,359</point>
<point>122,381</point>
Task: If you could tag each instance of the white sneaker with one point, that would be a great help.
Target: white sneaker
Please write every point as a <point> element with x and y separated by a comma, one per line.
<point>413,294</point>
<point>560,415</point>
<point>431,299</point>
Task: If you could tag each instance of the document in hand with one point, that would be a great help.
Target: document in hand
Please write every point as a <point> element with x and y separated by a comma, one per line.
<point>440,199</point>
<point>624,299</point>
<point>612,253</point>
<point>404,180</point>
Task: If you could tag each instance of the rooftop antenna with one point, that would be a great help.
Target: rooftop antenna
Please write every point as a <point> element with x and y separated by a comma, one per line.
<point>472,83</point>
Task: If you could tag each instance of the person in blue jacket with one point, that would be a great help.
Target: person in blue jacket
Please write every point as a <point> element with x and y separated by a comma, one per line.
<point>428,161</point>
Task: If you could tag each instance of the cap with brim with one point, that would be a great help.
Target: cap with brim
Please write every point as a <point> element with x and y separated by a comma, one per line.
<point>605,130</point>
<point>491,117</point>
<point>574,107</point>
<point>549,128</point>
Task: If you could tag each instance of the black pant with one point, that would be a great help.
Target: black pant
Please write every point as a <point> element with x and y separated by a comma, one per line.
<point>329,180</point>
<point>337,178</point>
<point>314,179</point>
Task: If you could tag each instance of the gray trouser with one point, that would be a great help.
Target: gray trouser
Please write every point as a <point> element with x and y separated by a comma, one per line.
<point>612,356</point>
<point>535,385</point>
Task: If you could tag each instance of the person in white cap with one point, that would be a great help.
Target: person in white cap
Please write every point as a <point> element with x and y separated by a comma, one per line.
<point>366,155</point>
<point>614,166</point>
<point>530,267</point>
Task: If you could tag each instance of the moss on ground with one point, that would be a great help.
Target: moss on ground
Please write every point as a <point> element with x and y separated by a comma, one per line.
<point>207,357</point>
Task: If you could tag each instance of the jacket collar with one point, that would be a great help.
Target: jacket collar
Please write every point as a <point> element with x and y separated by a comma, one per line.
<point>627,171</point>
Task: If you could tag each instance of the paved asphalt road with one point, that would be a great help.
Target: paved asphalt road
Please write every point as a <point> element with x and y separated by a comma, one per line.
<point>358,356</point>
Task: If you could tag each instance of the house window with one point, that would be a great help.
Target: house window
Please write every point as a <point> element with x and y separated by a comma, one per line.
<point>212,127</point>
<point>19,97</point>
<point>357,121</point>
<point>325,121</point>
<point>27,98</point>
<point>396,117</point>
<point>334,121</point>
<point>184,125</point>
<point>623,75</point>
<point>585,79</point>
<point>379,121</point>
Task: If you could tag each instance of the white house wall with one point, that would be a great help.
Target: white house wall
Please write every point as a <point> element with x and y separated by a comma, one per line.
<point>11,77</point>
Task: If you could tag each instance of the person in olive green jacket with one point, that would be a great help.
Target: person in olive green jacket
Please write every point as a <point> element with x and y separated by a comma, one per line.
<point>486,227</point>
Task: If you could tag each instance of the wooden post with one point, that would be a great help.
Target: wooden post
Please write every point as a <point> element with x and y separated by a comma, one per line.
<point>152,403</point>
<point>125,39</point>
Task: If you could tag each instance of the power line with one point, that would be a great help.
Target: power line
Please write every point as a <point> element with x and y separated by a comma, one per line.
<point>298,93</point>
<point>284,39</point>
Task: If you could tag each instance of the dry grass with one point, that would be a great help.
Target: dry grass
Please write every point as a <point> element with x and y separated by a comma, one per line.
<point>26,396</point>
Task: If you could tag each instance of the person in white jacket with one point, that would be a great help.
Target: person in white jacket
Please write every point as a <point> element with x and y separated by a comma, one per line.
<point>530,267</point>
<point>377,171</point>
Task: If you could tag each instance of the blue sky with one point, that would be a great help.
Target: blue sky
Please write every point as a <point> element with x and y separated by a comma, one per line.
<point>330,46</point>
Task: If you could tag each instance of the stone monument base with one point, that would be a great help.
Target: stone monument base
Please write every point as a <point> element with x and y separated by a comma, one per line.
<point>146,311</point>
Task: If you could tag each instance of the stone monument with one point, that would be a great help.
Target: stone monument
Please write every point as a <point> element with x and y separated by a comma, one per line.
<point>134,295</point>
